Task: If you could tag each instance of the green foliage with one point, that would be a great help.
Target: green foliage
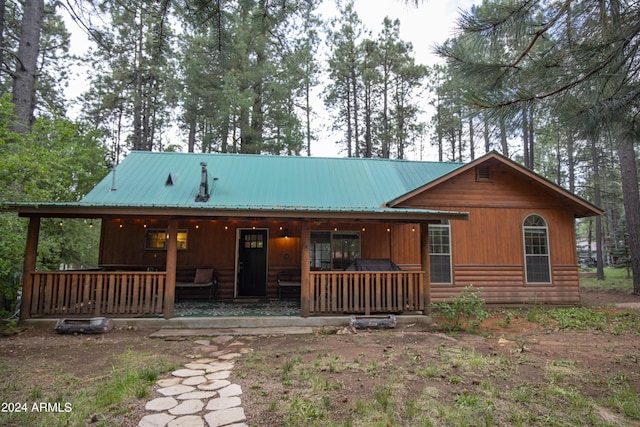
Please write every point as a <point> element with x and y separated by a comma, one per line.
<point>583,318</point>
<point>464,311</point>
<point>57,161</point>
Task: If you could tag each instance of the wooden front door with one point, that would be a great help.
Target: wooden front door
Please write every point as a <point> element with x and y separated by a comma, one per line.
<point>252,263</point>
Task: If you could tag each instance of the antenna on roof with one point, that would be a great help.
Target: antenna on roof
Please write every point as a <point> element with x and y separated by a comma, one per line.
<point>203,194</point>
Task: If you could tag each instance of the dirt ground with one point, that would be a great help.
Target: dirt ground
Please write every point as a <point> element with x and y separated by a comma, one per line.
<point>35,356</point>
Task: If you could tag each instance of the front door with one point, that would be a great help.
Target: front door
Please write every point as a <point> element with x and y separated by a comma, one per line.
<point>252,263</point>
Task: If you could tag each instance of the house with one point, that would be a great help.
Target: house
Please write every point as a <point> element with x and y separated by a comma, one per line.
<point>490,223</point>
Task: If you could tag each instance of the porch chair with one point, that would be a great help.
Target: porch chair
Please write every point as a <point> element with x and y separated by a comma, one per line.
<point>204,278</point>
<point>288,279</point>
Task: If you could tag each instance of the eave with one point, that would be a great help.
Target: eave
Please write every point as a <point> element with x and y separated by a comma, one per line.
<point>360,215</point>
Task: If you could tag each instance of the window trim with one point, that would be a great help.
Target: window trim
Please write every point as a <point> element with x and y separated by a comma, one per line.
<point>447,225</point>
<point>524,249</point>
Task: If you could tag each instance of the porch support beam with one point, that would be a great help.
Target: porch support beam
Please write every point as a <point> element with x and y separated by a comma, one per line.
<point>424,260</point>
<point>172,261</point>
<point>30,259</point>
<point>305,277</point>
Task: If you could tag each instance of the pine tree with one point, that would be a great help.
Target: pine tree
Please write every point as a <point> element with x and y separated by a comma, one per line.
<point>578,59</point>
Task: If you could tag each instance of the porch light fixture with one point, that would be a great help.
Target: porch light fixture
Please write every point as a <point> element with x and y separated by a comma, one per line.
<point>286,233</point>
<point>60,224</point>
<point>91,224</point>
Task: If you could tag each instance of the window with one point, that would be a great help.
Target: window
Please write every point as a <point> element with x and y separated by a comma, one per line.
<point>254,241</point>
<point>334,250</point>
<point>536,250</point>
<point>157,239</point>
<point>440,253</point>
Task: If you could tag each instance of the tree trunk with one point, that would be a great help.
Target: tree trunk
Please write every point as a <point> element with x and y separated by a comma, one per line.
<point>597,199</point>
<point>191,142</point>
<point>487,137</point>
<point>629,175</point>
<point>25,75</point>
<point>472,143</point>
<point>503,137</point>
<point>354,90</point>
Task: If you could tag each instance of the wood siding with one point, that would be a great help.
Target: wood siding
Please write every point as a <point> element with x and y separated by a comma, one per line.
<point>213,243</point>
<point>488,249</point>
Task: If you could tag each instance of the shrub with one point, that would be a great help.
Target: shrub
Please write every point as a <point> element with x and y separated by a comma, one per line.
<point>464,311</point>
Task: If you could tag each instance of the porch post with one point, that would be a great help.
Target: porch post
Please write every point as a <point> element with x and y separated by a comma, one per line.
<point>30,259</point>
<point>424,260</point>
<point>172,260</point>
<point>305,289</point>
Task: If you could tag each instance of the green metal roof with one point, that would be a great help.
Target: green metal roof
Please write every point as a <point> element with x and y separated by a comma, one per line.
<point>259,182</point>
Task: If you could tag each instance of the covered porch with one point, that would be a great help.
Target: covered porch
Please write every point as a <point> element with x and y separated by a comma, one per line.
<point>126,286</point>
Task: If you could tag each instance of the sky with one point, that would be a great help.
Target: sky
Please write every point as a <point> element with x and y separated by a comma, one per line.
<point>430,23</point>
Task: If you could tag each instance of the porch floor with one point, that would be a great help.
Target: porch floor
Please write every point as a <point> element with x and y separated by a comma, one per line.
<point>194,308</point>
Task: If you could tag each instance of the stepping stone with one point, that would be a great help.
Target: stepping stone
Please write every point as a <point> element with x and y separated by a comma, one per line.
<point>229,356</point>
<point>223,403</point>
<point>155,420</point>
<point>215,367</point>
<point>197,366</point>
<point>187,421</point>
<point>187,407</point>
<point>246,350</point>
<point>176,389</point>
<point>183,373</point>
<point>161,404</point>
<point>225,417</point>
<point>167,382</point>
<point>204,360</point>
<point>222,339</point>
<point>202,342</point>
<point>236,343</point>
<point>194,380</point>
<point>230,390</point>
<point>220,375</point>
<point>197,395</point>
<point>213,384</point>
<point>208,348</point>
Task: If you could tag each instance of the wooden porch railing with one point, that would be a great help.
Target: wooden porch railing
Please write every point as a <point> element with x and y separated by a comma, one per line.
<point>366,291</point>
<point>97,293</point>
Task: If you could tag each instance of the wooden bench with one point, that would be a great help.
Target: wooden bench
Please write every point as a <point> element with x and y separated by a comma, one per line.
<point>203,278</point>
<point>288,279</point>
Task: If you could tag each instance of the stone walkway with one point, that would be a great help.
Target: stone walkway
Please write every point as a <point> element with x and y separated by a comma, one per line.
<point>200,394</point>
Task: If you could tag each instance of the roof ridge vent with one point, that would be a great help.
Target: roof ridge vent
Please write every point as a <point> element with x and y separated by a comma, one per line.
<point>171,180</point>
<point>203,193</point>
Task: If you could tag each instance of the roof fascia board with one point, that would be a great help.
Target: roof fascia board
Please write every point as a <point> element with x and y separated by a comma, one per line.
<point>414,215</point>
<point>508,162</point>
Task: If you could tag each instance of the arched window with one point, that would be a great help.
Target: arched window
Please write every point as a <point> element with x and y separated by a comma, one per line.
<point>536,250</point>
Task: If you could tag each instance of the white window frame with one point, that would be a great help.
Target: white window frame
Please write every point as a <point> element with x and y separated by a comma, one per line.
<point>526,256</point>
<point>445,225</point>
